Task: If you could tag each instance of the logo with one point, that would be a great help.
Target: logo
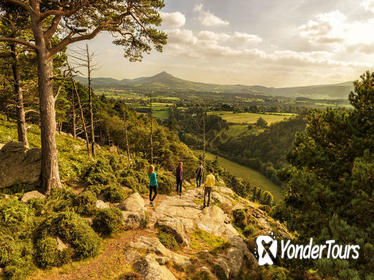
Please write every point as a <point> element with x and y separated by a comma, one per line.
<point>267,249</point>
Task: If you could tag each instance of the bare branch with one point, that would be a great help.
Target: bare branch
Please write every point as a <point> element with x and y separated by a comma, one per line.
<point>21,4</point>
<point>19,41</point>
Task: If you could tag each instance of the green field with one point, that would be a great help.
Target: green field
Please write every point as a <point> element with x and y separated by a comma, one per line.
<point>254,177</point>
<point>251,118</point>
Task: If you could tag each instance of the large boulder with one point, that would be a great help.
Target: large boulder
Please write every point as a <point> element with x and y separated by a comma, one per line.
<point>134,220</point>
<point>133,203</point>
<point>150,269</point>
<point>19,165</point>
<point>174,226</point>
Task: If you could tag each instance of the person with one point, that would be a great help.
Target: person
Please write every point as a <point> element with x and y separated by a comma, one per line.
<point>179,176</point>
<point>209,184</point>
<point>152,184</point>
<point>199,174</point>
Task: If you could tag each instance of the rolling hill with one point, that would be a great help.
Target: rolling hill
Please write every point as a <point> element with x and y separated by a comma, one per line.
<point>165,82</point>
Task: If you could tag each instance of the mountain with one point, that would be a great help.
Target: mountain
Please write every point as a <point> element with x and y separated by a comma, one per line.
<point>165,82</point>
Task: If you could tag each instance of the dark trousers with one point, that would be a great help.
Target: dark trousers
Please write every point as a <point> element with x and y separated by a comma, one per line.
<point>154,190</point>
<point>179,185</point>
<point>207,191</point>
<point>198,181</point>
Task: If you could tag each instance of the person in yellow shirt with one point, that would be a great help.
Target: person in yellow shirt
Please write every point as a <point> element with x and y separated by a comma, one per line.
<point>210,182</point>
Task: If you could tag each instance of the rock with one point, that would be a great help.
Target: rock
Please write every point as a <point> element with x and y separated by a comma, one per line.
<point>212,220</point>
<point>175,227</point>
<point>61,246</point>
<point>132,256</point>
<point>154,245</point>
<point>19,165</point>
<point>133,203</point>
<point>150,269</point>
<point>226,190</point>
<point>134,220</point>
<point>101,204</point>
<point>30,195</point>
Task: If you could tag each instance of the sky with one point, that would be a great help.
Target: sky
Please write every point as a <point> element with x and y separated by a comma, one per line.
<point>254,42</point>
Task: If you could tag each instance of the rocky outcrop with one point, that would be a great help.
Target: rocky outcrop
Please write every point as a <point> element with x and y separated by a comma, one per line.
<point>101,204</point>
<point>133,203</point>
<point>19,165</point>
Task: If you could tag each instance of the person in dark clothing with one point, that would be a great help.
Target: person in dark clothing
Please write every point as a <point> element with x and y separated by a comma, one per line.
<point>152,184</point>
<point>199,175</point>
<point>179,177</point>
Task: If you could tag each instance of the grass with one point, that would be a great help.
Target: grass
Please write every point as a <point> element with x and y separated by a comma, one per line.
<point>251,118</point>
<point>202,240</point>
<point>254,177</point>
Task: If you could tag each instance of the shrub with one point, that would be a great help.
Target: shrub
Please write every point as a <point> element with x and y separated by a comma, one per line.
<point>240,219</point>
<point>72,229</point>
<point>86,203</point>
<point>249,230</point>
<point>107,221</point>
<point>100,173</point>
<point>219,272</point>
<point>9,250</point>
<point>267,198</point>
<point>15,217</point>
<point>168,240</point>
<point>48,254</point>
<point>62,199</point>
<point>114,193</point>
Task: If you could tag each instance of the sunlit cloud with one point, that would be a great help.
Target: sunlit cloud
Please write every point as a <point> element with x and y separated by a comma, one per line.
<point>208,19</point>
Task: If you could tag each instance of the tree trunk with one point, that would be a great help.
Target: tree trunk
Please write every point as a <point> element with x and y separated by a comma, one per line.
<point>82,116</point>
<point>151,132</point>
<point>50,177</point>
<point>90,100</point>
<point>21,116</point>
<point>126,136</point>
<point>74,115</point>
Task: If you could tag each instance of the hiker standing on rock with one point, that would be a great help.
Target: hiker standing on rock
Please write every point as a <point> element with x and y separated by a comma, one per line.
<point>179,177</point>
<point>152,184</point>
<point>209,184</point>
<point>199,174</point>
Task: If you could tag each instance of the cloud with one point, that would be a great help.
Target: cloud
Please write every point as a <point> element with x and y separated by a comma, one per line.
<point>368,5</point>
<point>327,28</point>
<point>208,19</point>
<point>246,38</point>
<point>173,20</point>
<point>213,36</point>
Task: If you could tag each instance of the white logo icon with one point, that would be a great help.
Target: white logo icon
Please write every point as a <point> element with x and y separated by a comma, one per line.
<point>267,249</point>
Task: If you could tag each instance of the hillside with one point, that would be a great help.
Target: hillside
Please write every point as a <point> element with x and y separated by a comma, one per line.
<point>99,225</point>
<point>166,82</point>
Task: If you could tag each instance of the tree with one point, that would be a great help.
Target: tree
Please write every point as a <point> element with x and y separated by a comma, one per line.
<point>331,181</point>
<point>73,21</point>
<point>12,25</point>
<point>261,123</point>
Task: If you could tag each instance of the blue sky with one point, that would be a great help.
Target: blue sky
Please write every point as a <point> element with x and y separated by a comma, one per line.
<point>272,43</point>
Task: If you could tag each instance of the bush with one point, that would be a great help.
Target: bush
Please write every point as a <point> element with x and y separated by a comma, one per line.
<point>72,229</point>
<point>86,203</point>
<point>240,219</point>
<point>107,221</point>
<point>168,240</point>
<point>249,230</point>
<point>267,198</point>
<point>9,250</point>
<point>48,255</point>
<point>114,193</point>
<point>100,173</point>
<point>15,217</point>
<point>62,199</point>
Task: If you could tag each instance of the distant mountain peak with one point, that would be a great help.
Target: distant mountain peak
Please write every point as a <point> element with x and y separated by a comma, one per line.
<point>164,74</point>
